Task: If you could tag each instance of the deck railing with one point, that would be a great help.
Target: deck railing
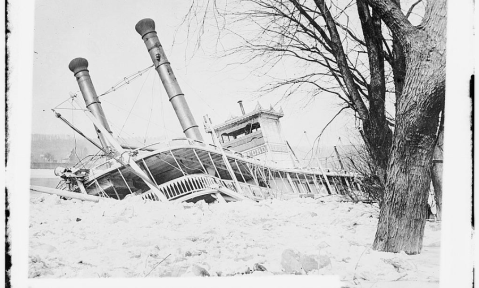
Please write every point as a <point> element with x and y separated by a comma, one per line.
<point>198,182</point>
<point>182,142</point>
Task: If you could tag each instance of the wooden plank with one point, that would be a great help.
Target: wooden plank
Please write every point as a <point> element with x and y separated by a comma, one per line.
<point>64,193</point>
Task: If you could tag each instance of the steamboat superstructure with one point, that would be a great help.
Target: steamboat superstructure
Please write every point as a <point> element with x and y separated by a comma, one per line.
<point>250,159</point>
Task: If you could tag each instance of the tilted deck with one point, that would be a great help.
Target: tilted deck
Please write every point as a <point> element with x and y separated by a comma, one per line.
<point>189,170</point>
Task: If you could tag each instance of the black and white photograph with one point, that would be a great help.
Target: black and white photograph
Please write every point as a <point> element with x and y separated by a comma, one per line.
<point>272,143</point>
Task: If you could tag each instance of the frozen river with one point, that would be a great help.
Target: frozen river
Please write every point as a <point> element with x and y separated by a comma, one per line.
<point>43,177</point>
<point>130,238</point>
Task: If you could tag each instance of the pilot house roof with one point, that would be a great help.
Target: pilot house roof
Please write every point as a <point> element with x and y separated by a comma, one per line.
<point>256,113</point>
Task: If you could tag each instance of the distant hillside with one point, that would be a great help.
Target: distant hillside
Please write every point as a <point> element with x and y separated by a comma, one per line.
<point>55,148</point>
<point>60,148</point>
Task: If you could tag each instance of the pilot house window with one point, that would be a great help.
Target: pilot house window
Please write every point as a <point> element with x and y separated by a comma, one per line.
<point>240,132</point>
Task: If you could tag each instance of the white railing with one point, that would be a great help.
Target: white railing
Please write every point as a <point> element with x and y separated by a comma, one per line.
<point>198,182</point>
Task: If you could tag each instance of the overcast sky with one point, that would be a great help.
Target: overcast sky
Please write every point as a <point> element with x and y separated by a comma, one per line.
<point>103,33</point>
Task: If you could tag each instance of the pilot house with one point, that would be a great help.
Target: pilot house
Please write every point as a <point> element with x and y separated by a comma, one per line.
<point>256,134</point>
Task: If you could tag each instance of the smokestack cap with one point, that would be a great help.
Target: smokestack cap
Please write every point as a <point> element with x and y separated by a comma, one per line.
<point>145,26</point>
<point>78,64</point>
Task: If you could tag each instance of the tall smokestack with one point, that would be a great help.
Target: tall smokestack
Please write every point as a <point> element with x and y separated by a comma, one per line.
<point>146,28</point>
<point>79,67</point>
<point>240,102</point>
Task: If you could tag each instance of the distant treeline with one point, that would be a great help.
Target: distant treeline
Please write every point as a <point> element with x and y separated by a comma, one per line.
<point>61,148</point>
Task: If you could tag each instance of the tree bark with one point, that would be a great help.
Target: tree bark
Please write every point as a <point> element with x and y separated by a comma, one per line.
<point>377,135</point>
<point>398,64</point>
<point>403,214</point>
<point>437,172</point>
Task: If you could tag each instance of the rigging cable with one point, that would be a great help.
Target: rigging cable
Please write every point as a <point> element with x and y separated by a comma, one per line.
<point>121,138</point>
<point>126,80</point>
<point>149,118</point>
<point>199,96</point>
<point>112,126</point>
<point>72,94</point>
<point>134,114</point>
<point>75,140</point>
<point>137,96</point>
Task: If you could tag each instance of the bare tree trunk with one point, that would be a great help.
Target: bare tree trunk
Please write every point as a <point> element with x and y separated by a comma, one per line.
<point>377,135</point>
<point>398,63</point>
<point>437,173</point>
<point>404,211</point>
<point>403,214</point>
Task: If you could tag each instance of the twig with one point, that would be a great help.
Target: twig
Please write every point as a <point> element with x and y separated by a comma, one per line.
<point>401,277</point>
<point>321,133</point>
<point>354,276</point>
<point>411,8</point>
<point>359,260</point>
<point>157,265</point>
<point>146,260</point>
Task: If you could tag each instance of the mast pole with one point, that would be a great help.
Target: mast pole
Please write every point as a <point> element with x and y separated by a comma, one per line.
<point>58,115</point>
<point>146,28</point>
<point>328,186</point>
<point>339,158</point>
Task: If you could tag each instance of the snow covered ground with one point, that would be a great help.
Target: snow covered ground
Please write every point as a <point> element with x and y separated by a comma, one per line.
<point>132,238</point>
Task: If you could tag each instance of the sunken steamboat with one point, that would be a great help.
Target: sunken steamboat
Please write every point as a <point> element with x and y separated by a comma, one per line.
<point>248,160</point>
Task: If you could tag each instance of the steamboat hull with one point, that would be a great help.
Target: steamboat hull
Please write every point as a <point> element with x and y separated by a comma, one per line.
<point>190,170</point>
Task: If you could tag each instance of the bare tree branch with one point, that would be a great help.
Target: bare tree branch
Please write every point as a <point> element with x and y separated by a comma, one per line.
<point>392,15</point>
<point>341,61</point>
<point>412,8</point>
